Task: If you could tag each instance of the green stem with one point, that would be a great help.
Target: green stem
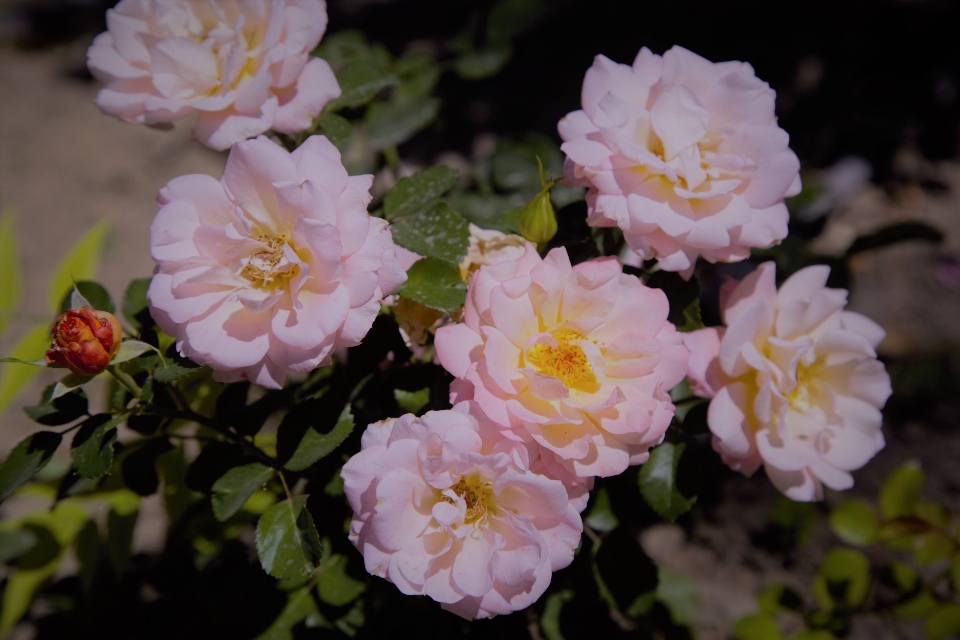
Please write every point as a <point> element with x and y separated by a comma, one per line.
<point>392,156</point>
<point>126,381</point>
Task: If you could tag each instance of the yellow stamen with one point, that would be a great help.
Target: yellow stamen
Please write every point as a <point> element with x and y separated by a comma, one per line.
<point>267,268</point>
<point>566,362</point>
<point>477,496</point>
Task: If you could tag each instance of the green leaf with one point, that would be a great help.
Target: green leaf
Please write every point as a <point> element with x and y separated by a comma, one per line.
<point>10,268</point>
<point>601,517</point>
<point>236,486</point>
<point>901,490</point>
<point>550,620</point>
<point>88,294</point>
<point>920,606</point>
<point>412,401</point>
<point>759,626</point>
<point>678,594</point>
<point>68,384</point>
<point>944,623</point>
<point>932,546</point>
<point>29,456</point>
<point>313,444</point>
<point>340,48</point>
<point>360,81</point>
<point>139,469</point>
<point>130,349</point>
<point>13,378</point>
<point>173,372</point>
<point>509,18</point>
<point>477,65</point>
<point>135,301</point>
<point>815,634</point>
<point>419,191</point>
<point>299,606</point>
<point>777,598</point>
<point>658,482</point>
<point>15,543</point>
<point>419,74</point>
<point>92,449</point>
<point>392,123</point>
<point>843,579</point>
<point>287,540</point>
<point>64,521</point>
<point>489,210</point>
<point>335,587</point>
<point>87,548</point>
<point>336,128</point>
<point>516,164</point>
<point>435,283</point>
<point>81,263</point>
<point>854,522</point>
<point>63,410</point>
<point>437,232</point>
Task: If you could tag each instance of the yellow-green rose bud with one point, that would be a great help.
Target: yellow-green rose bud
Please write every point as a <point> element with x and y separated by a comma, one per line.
<point>538,222</point>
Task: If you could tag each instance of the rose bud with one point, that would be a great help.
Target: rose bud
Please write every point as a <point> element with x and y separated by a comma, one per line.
<point>84,341</point>
<point>538,222</point>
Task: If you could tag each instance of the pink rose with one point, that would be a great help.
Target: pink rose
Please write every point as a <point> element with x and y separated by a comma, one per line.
<point>577,359</point>
<point>794,380</point>
<point>684,155</point>
<point>444,507</point>
<point>274,266</point>
<point>245,66</point>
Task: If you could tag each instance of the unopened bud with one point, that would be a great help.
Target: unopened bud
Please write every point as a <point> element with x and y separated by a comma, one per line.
<point>84,341</point>
<point>538,222</point>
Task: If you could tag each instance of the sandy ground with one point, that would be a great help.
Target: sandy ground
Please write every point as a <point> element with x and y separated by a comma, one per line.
<point>64,166</point>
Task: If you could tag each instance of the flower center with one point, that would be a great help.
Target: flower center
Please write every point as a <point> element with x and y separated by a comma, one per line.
<point>270,267</point>
<point>801,399</point>
<point>477,495</point>
<point>566,362</point>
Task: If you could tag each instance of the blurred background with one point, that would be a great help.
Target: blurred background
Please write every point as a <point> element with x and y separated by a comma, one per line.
<point>869,92</point>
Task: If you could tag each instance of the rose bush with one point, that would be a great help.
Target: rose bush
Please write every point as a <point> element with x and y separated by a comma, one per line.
<point>794,379</point>
<point>684,155</point>
<point>273,267</point>
<point>245,67</point>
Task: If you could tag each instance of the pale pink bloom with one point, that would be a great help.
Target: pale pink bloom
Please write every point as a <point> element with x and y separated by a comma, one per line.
<point>794,380</point>
<point>684,155</point>
<point>272,267</point>
<point>244,66</point>
<point>578,359</point>
<point>489,246</point>
<point>444,507</point>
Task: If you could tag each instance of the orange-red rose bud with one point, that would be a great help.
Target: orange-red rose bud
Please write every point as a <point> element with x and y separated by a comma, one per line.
<point>84,341</point>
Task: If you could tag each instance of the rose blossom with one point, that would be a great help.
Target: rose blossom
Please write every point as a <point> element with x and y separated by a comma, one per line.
<point>245,66</point>
<point>684,155</point>
<point>84,340</point>
<point>578,359</point>
<point>794,380</point>
<point>272,267</point>
<point>446,508</point>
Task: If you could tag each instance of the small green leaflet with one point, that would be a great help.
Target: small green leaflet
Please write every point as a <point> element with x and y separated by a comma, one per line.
<point>435,283</point>
<point>30,456</point>
<point>235,487</point>
<point>658,482</point>
<point>438,232</point>
<point>416,193</point>
<point>287,540</point>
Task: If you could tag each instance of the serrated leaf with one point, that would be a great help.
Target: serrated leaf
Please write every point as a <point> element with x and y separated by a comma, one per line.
<point>287,540</point>
<point>29,456</point>
<point>139,469</point>
<point>314,444</point>
<point>80,263</point>
<point>477,65</point>
<point>843,579</point>
<point>360,81</point>
<point>335,587</point>
<point>901,490</point>
<point>135,300</point>
<point>14,377</point>
<point>412,401</point>
<point>130,349</point>
<point>601,517</point>
<point>658,482</point>
<point>419,191</point>
<point>92,448</point>
<point>854,522</point>
<point>89,294</point>
<point>392,123</point>
<point>235,487</point>
<point>68,384</point>
<point>438,232</point>
<point>173,372</point>
<point>436,284</point>
<point>10,268</point>
<point>62,410</point>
